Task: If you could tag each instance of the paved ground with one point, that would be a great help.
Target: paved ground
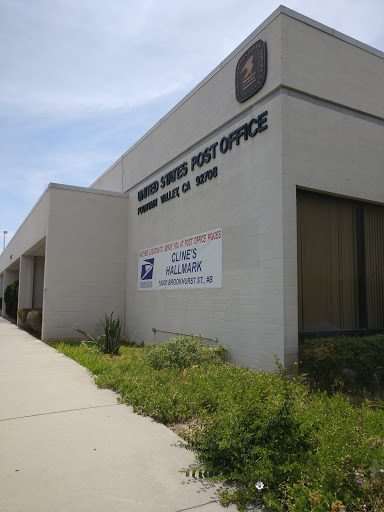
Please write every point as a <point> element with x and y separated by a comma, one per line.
<point>66,445</point>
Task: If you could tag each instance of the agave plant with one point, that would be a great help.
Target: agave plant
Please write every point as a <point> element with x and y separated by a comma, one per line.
<point>112,329</point>
<point>109,343</point>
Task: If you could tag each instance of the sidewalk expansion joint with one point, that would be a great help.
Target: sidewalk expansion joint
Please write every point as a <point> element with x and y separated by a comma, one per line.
<point>196,506</point>
<point>60,412</point>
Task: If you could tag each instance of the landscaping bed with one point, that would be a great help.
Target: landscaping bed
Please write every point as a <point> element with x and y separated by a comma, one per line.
<point>352,364</point>
<point>277,441</point>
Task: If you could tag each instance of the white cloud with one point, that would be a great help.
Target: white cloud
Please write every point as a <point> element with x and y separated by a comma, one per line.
<point>52,168</point>
<point>72,57</point>
<point>96,69</point>
<point>28,183</point>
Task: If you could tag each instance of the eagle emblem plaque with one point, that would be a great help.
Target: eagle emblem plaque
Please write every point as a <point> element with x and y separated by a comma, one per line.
<point>251,71</point>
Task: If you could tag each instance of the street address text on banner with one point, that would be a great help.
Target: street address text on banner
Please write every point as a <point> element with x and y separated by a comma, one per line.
<point>191,262</point>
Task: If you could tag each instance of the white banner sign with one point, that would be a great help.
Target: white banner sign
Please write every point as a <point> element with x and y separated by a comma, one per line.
<point>192,262</point>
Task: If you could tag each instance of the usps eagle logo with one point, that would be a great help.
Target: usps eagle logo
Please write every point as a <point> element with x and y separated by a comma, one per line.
<point>147,269</point>
<point>251,71</point>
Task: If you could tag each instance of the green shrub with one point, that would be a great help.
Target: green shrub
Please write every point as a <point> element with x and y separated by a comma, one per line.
<point>11,297</point>
<point>273,439</point>
<point>254,437</point>
<point>112,329</point>
<point>110,342</point>
<point>353,363</point>
<point>184,352</point>
<point>340,470</point>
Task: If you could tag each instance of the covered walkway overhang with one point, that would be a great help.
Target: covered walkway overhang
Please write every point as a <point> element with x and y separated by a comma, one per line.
<point>23,259</point>
<point>69,257</point>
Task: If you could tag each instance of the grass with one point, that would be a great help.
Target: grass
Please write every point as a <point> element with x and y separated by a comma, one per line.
<point>280,443</point>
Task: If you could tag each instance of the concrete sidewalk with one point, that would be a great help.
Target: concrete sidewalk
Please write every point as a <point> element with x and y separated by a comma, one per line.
<point>66,445</point>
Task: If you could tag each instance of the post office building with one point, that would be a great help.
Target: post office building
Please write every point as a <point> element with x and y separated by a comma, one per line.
<point>251,214</point>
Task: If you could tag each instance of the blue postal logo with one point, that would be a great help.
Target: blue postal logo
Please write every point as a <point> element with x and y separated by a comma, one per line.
<point>147,269</point>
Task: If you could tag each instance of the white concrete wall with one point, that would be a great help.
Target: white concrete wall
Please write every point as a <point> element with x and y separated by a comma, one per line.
<point>321,65</point>
<point>112,179</point>
<point>38,282</point>
<point>85,265</point>
<point>245,200</point>
<point>26,272</point>
<point>1,294</point>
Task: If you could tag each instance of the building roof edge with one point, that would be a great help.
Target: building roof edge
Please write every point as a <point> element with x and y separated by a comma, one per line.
<point>280,10</point>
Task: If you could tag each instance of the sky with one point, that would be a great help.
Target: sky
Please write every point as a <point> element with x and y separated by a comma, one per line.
<point>82,80</point>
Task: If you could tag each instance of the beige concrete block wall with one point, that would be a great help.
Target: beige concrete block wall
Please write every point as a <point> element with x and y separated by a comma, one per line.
<point>333,149</point>
<point>245,200</point>
<point>316,62</point>
<point>112,179</point>
<point>326,149</point>
<point>85,265</point>
<point>26,272</point>
<point>38,282</point>
<point>247,314</point>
